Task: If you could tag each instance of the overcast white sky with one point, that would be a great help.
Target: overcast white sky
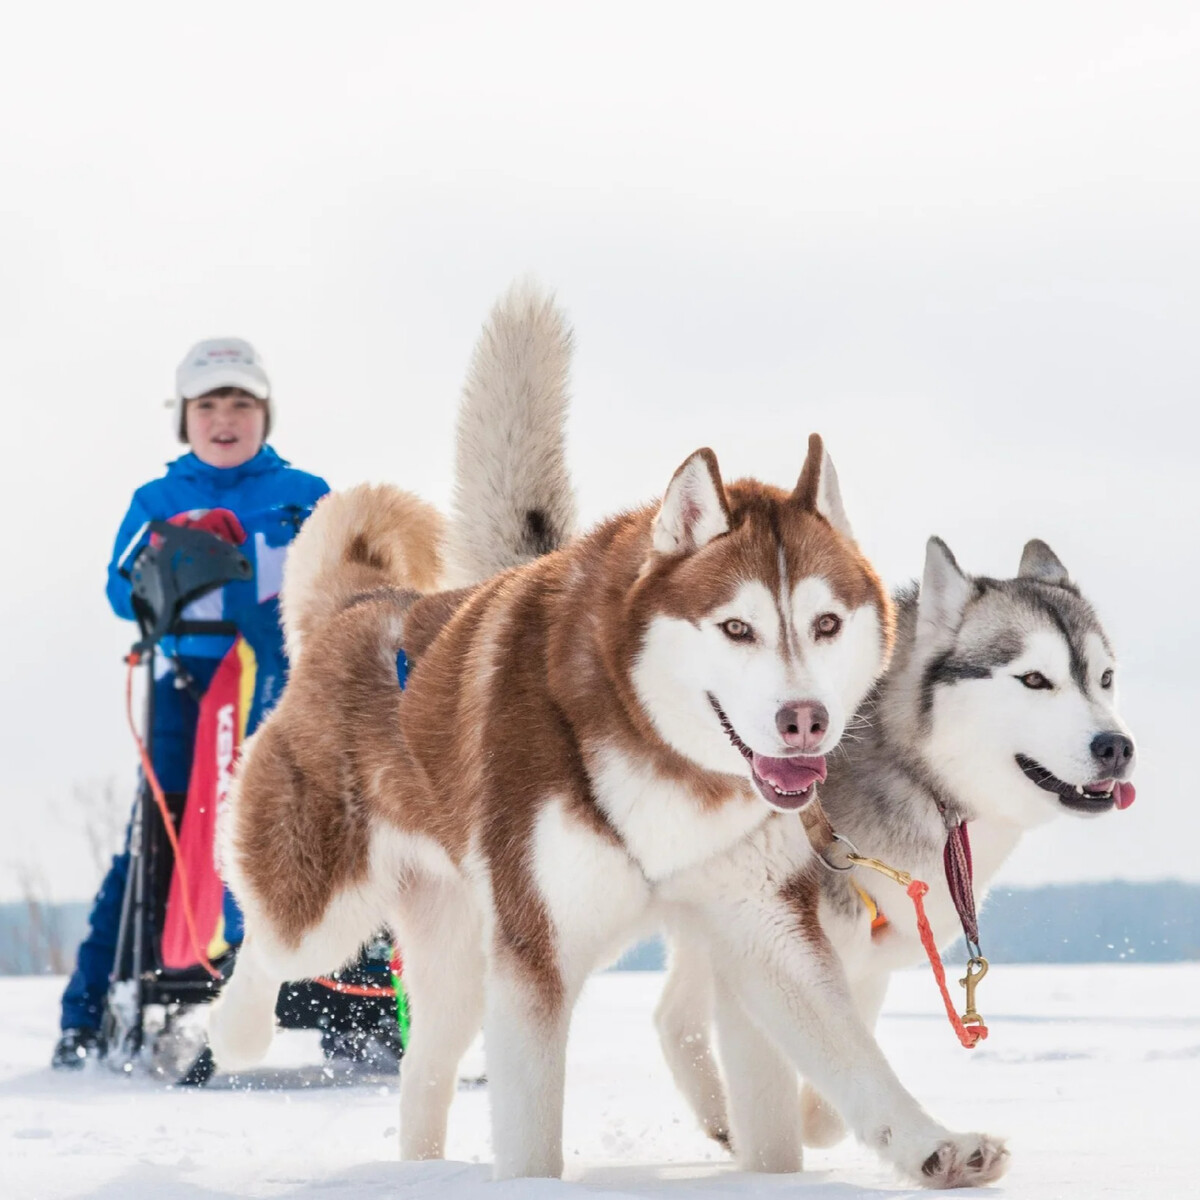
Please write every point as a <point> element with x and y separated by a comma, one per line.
<point>961,241</point>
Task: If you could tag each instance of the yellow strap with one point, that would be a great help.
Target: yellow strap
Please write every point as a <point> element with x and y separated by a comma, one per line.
<point>878,919</point>
<point>218,945</point>
<point>246,681</point>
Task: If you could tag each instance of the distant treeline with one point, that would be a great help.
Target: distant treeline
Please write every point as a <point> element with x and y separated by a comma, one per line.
<point>38,938</point>
<point>1065,923</point>
<point>1093,922</point>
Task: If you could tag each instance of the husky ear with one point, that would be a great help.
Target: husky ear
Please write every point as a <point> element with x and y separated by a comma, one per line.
<point>694,510</point>
<point>945,590</point>
<point>818,490</point>
<point>1039,562</point>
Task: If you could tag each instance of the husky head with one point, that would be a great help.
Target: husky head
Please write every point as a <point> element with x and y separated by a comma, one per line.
<point>1017,691</point>
<point>761,625</point>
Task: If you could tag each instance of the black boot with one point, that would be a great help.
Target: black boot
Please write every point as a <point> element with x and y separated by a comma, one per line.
<point>379,1048</point>
<point>74,1048</point>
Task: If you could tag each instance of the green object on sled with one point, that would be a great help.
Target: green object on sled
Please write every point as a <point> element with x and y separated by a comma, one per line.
<point>403,1021</point>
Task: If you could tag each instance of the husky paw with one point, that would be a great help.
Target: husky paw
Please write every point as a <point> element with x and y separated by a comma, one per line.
<point>964,1160</point>
<point>713,1120</point>
<point>721,1137</point>
<point>821,1125</point>
<point>237,1043</point>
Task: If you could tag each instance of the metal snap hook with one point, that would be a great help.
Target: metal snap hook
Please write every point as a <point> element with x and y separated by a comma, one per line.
<point>851,852</point>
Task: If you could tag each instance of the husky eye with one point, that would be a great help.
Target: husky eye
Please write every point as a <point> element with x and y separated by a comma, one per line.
<point>827,625</point>
<point>1106,679</point>
<point>737,630</point>
<point>1035,680</point>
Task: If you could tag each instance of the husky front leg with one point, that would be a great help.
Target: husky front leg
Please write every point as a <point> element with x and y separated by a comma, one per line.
<point>764,1093</point>
<point>821,1123</point>
<point>772,954</point>
<point>762,1123</point>
<point>525,1037</point>
<point>683,1019</point>
<point>581,901</point>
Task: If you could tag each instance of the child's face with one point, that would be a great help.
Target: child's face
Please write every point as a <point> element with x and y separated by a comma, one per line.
<point>225,428</point>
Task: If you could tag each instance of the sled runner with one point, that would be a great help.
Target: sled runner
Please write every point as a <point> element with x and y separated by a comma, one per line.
<point>179,927</point>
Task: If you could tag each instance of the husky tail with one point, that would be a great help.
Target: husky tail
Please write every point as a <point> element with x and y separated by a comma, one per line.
<point>513,499</point>
<point>368,537</point>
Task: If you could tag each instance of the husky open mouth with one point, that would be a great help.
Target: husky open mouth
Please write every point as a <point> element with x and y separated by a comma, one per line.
<point>785,783</point>
<point>1096,797</point>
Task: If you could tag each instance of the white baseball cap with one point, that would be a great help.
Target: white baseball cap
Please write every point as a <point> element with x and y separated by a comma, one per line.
<point>220,363</point>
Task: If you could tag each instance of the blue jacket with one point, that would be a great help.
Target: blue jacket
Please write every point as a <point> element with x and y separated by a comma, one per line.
<point>269,497</point>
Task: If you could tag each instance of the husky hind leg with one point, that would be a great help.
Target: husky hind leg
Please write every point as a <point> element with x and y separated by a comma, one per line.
<point>439,935</point>
<point>242,1023</point>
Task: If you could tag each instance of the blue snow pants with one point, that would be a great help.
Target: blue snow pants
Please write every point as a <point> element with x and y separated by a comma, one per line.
<point>172,737</point>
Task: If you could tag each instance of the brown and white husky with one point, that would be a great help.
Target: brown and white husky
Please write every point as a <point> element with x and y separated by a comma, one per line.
<point>583,750</point>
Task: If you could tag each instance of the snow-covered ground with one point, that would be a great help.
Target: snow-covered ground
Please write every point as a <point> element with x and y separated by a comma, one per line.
<point>1092,1072</point>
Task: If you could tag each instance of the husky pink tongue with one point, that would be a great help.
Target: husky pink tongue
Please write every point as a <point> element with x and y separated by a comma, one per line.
<point>793,775</point>
<point>1124,794</point>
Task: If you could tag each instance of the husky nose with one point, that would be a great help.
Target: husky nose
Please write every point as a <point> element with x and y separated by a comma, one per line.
<point>802,725</point>
<point>1113,751</point>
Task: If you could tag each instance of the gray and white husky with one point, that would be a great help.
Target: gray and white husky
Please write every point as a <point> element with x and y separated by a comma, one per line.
<point>1000,710</point>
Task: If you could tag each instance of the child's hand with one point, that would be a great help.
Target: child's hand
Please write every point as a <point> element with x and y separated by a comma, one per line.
<point>218,521</point>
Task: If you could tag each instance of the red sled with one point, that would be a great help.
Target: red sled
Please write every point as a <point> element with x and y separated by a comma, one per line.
<point>220,731</point>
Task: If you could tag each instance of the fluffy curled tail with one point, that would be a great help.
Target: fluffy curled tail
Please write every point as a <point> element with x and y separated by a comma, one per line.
<point>367,537</point>
<point>513,499</point>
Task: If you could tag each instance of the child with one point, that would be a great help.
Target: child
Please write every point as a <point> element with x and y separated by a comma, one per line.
<point>234,485</point>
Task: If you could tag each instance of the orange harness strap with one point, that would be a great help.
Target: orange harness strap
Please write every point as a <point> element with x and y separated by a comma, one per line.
<point>970,1035</point>
<point>970,1027</point>
<point>354,989</point>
